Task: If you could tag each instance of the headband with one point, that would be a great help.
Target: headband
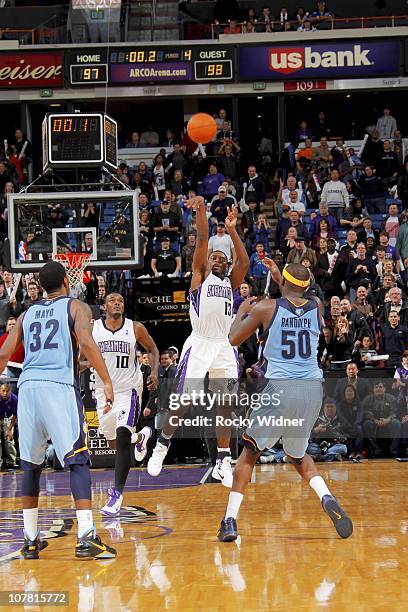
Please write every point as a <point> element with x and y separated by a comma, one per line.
<point>293,280</point>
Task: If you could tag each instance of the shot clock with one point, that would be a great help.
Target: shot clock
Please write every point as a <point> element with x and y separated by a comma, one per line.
<point>88,139</point>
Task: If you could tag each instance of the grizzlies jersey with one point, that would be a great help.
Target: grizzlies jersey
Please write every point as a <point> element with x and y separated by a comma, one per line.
<point>50,344</point>
<point>211,308</point>
<point>291,341</point>
<point>118,349</point>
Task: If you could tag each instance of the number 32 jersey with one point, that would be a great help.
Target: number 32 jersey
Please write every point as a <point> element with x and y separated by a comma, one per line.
<point>211,308</point>
<point>50,345</point>
<point>291,341</point>
<point>118,349</point>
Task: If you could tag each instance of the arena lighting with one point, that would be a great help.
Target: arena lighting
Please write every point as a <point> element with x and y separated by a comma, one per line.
<point>259,97</point>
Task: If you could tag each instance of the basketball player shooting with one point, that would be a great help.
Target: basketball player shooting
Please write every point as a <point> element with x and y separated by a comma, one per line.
<point>50,404</point>
<point>207,350</point>
<point>292,325</point>
<point>117,338</point>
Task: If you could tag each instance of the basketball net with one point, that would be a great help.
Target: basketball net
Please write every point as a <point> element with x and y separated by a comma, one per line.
<point>74,264</point>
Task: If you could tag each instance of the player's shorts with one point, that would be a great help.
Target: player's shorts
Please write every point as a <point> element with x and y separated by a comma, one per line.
<point>202,355</point>
<point>125,411</point>
<point>50,410</point>
<point>290,414</point>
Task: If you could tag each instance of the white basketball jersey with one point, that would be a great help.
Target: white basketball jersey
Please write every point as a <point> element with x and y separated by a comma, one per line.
<point>118,349</point>
<point>211,308</point>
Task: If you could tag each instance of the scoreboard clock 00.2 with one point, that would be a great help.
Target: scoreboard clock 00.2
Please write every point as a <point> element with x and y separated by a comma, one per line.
<point>88,140</point>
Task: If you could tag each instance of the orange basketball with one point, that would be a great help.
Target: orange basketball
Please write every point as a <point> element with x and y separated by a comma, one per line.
<point>201,128</point>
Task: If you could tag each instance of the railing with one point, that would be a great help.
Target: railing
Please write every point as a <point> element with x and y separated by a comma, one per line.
<point>325,23</point>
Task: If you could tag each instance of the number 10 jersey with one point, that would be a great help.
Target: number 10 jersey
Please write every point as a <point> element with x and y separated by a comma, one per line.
<point>118,349</point>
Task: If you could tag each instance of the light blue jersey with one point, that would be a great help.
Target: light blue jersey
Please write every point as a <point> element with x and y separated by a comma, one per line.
<point>292,338</point>
<point>50,344</point>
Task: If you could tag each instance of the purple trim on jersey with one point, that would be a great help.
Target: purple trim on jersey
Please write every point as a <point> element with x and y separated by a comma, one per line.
<point>182,371</point>
<point>195,299</point>
<point>131,417</point>
<point>236,359</point>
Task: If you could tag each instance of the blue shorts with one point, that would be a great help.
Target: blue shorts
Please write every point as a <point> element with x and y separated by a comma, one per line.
<point>48,410</point>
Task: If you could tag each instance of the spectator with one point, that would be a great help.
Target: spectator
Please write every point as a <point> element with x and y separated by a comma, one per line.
<point>166,261</point>
<point>321,16</point>
<point>364,304</point>
<point>402,186</point>
<point>303,132</point>
<point>13,371</point>
<point>296,254</point>
<point>380,419</point>
<point>134,142</point>
<point>358,325</point>
<point>368,232</point>
<point>373,191</point>
<point>169,141</point>
<point>325,348</point>
<point>178,185</point>
<point>391,226</point>
<point>187,253</point>
<point>291,185</point>
<point>243,293</point>
<point>390,251</point>
<point>386,125</point>
<point>220,205</point>
<point>248,222</point>
<point>401,242</point>
<point>159,178</point>
<point>352,379</point>
<point>221,242</point>
<point>342,344</point>
<point>254,188</point>
<point>360,269</point>
<point>364,352</point>
<point>395,302</point>
<point>294,203</point>
<point>322,127</point>
<point>387,165</point>
<point>329,427</point>
<point>258,272</point>
<point>289,241</point>
<point>394,340</point>
<point>322,154</point>
<point>262,232</point>
<point>176,160</point>
<point>8,418</point>
<point>228,162</point>
<point>33,295</point>
<point>149,138</point>
<point>351,416</point>
<point>211,182</point>
<point>322,214</point>
<point>305,152</point>
<point>167,222</point>
<point>327,267</point>
<point>373,150</point>
<point>292,221</point>
<point>335,195</point>
<point>323,231</point>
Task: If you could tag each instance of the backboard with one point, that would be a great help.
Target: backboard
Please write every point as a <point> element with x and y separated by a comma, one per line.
<point>104,224</point>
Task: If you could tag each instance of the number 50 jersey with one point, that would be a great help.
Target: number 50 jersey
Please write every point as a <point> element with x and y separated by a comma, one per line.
<point>118,349</point>
<point>291,343</point>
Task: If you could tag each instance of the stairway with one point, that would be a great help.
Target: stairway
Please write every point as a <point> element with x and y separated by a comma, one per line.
<point>151,20</point>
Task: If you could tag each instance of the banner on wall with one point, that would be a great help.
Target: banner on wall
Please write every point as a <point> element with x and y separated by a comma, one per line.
<point>162,299</point>
<point>366,58</point>
<point>22,70</point>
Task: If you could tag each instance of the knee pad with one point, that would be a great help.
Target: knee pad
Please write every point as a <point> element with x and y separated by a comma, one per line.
<point>30,486</point>
<point>80,477</point>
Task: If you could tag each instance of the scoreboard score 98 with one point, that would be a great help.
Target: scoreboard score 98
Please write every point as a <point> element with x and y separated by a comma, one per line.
<point>152,64</point>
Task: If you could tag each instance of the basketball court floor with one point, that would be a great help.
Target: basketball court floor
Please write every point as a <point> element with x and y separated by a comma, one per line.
<point>287,558</point>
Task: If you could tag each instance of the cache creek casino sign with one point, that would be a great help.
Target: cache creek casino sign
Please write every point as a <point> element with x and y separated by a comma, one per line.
<point>367,58</point>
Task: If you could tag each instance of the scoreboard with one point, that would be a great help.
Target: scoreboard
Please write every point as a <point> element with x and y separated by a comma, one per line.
<point>121,65</point>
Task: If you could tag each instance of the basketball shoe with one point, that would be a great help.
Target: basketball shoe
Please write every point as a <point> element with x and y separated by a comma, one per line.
<point>155,463</point>
<point>141,444</point>
<point>342,523</point>
<point>223,471</point>
<point>112,506</point>
<point>31,548</point>
<point>90,546</point>
<point>228,531</point>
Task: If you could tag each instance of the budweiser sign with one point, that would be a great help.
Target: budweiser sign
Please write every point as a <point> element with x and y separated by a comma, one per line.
<point>25,70</point>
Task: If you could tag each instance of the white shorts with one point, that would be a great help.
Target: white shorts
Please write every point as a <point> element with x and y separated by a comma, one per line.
<point>201,356</point>
<point>125,411</point>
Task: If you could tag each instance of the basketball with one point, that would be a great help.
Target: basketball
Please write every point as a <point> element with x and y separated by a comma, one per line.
<point>201,128</point>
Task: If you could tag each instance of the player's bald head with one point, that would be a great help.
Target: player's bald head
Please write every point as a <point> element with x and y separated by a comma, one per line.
<point>296,278</point>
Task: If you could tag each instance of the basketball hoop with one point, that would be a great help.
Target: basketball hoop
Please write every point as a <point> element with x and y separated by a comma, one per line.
<point>74,264</point>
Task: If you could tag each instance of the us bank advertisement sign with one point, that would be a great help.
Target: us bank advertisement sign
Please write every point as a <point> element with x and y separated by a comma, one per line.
<point>319,60</point>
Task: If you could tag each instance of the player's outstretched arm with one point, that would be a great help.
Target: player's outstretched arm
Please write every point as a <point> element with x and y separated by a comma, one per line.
<point>200,258</point>
<point>82,327</point>
<point>249,318</point>
<point>241,264</point>
<point>144,338</point>
<point>13,341</point>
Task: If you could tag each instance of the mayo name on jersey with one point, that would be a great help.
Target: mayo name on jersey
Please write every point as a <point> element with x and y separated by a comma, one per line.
<point>211,308</point>
<point>118,349</point>
<point>291,341</point>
